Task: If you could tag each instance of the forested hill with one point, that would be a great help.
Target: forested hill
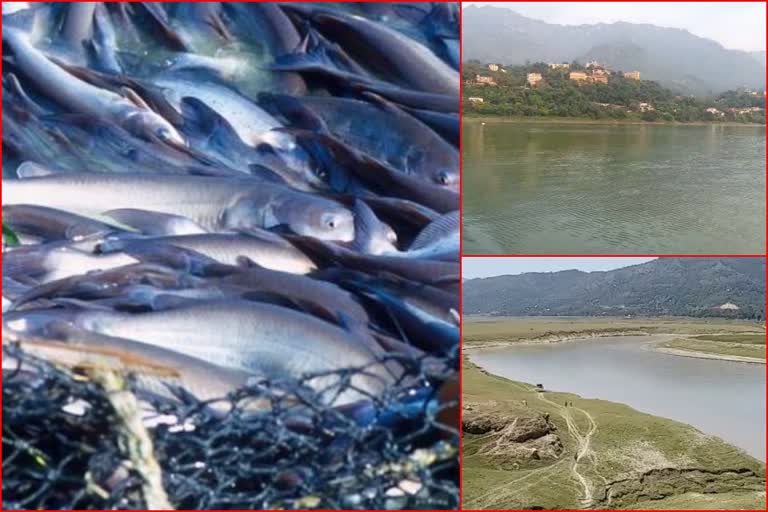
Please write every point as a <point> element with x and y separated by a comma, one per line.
<point>621,98</point>
<point>676,58</point>
<point>666,286</point>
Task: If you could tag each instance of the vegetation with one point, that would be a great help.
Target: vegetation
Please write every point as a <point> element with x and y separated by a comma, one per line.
<point>662,287</point>
<point>619,99</point>
<point>721,345</point>
<point>9,237</point>
<point>477,333</point>
<point>612,456</point>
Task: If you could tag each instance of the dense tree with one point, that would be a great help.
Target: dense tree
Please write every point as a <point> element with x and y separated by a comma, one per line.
<point>621,98</point>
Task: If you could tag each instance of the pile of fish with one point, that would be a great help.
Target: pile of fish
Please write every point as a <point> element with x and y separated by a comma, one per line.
<point>216,195</point>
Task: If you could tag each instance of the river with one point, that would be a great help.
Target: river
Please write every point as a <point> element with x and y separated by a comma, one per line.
<point>548,188</point>
<point>722,398</point>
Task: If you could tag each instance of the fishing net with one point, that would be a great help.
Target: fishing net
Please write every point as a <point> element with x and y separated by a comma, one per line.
<point>73,439</point>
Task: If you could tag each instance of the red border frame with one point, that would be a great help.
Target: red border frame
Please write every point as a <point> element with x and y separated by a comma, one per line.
<point>505,255</point>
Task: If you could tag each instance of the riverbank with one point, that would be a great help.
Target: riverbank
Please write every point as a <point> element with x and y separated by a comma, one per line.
<point>578,120</point>
<point>490,332</point>
<point>745,348</point>
<point>526,449</point>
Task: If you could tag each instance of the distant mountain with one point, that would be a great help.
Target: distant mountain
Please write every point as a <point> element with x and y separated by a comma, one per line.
<point>665,286</point>
<point>759,57</point>
<point>673,57</point>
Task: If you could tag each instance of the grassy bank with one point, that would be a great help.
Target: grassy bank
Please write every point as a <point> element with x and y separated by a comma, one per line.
<point>525,449</point>
<point>746,346</point>
<point>493,331</point>
<point>579,120</point>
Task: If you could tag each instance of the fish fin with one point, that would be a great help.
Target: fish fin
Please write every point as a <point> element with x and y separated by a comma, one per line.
<point>31,169</point>
<point>296,112</point>
<point>265,235</point>
<point>80,232</point>
<point>80,304</point>
<point>154,223</point>
<point>265,173</point>
<point>134,98</point>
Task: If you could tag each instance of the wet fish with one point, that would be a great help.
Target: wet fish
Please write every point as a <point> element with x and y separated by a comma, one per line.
<point>215,204</point>
<point>263,248</point>
<point>78,96</point>
<point>246,336</point>
<point>385,51</point>
<point>382,131</point>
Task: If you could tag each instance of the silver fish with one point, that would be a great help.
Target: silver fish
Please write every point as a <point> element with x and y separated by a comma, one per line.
<point>216,204</point>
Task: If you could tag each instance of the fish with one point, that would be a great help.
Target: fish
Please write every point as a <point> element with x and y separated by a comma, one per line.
<point>155,369</point>
<point>261,247</point>
<point>382,131</point>
<point>49,262</point>
<point>386,52</point>
<point>277,342</point>
<point>48,224</point>
<point>78,96</point>
<point>215,204</point>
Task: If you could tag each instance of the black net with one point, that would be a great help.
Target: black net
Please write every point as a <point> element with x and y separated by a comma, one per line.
<point>64,446</point>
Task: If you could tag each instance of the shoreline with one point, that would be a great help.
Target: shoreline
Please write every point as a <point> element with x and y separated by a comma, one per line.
<point>707,355</point>
<point>530,387</point>
<point>578,120</point>
<point>652,343</point>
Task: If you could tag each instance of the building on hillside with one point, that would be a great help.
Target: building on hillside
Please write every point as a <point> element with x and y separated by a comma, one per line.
<point>493,67</point>
<point>744,110</point>
<point>632,75</point>
<point>728,305</point>
<point>475,99</point>
<point>645,107</point>
<point>484,80</point>
<point>714,112</point>
<point>578,76</point>
<point>600,78</point>
<point>593,64</point>
<point>534,79</point>
<point>558,65</point>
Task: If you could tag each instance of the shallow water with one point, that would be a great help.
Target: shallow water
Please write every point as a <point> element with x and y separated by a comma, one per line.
<point>540,188</point>
<point>722,398</point>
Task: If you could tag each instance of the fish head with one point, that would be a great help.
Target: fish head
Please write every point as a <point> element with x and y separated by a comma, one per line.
<point>446,178</point>
<point>151,126</point>
<point>318,218</point>
<point>435,168</point>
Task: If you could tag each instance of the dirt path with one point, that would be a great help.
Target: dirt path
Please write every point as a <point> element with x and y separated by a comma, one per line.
<point>583,449</point>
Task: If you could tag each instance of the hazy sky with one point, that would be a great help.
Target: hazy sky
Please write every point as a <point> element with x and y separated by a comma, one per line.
<point>487,267</point>
<point>735,25</point>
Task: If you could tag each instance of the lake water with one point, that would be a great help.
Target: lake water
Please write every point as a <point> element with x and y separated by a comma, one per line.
<point>536,188</point>
<point>722,398</point>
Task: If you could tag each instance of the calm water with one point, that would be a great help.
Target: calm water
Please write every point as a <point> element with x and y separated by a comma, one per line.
<point>534,188</point>
<point>722,398</point>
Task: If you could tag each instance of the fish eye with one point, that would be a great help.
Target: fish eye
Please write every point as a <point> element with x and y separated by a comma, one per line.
<point>331,223</point>
<point>443,178</point>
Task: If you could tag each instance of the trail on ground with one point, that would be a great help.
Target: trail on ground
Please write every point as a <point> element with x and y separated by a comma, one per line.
<point>583,446</point>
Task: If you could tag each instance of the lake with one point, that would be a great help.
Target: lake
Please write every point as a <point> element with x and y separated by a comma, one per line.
<point>548,188</point>
<point>722,398</point>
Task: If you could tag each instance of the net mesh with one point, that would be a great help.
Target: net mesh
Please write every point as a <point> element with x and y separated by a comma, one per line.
<point>65,444</point>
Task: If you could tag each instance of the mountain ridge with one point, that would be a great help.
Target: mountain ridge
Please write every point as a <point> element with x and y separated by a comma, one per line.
<point>665,286</point>
<point>677,58</point>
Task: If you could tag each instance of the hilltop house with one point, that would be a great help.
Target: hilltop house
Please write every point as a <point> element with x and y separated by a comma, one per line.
<point>578,76</point>
<point>475,99</point>
<point>534,79</point>
<point>714,112</point>
<point>493,67</point>
<point>484,80</point>
<point>728,305</point>
<point>557,65</point>
<point>632,75</point>
<point>645,107</point>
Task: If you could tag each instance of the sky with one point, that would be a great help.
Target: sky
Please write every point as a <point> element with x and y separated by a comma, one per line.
<point>735,25</point>
<point>487,267</point>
